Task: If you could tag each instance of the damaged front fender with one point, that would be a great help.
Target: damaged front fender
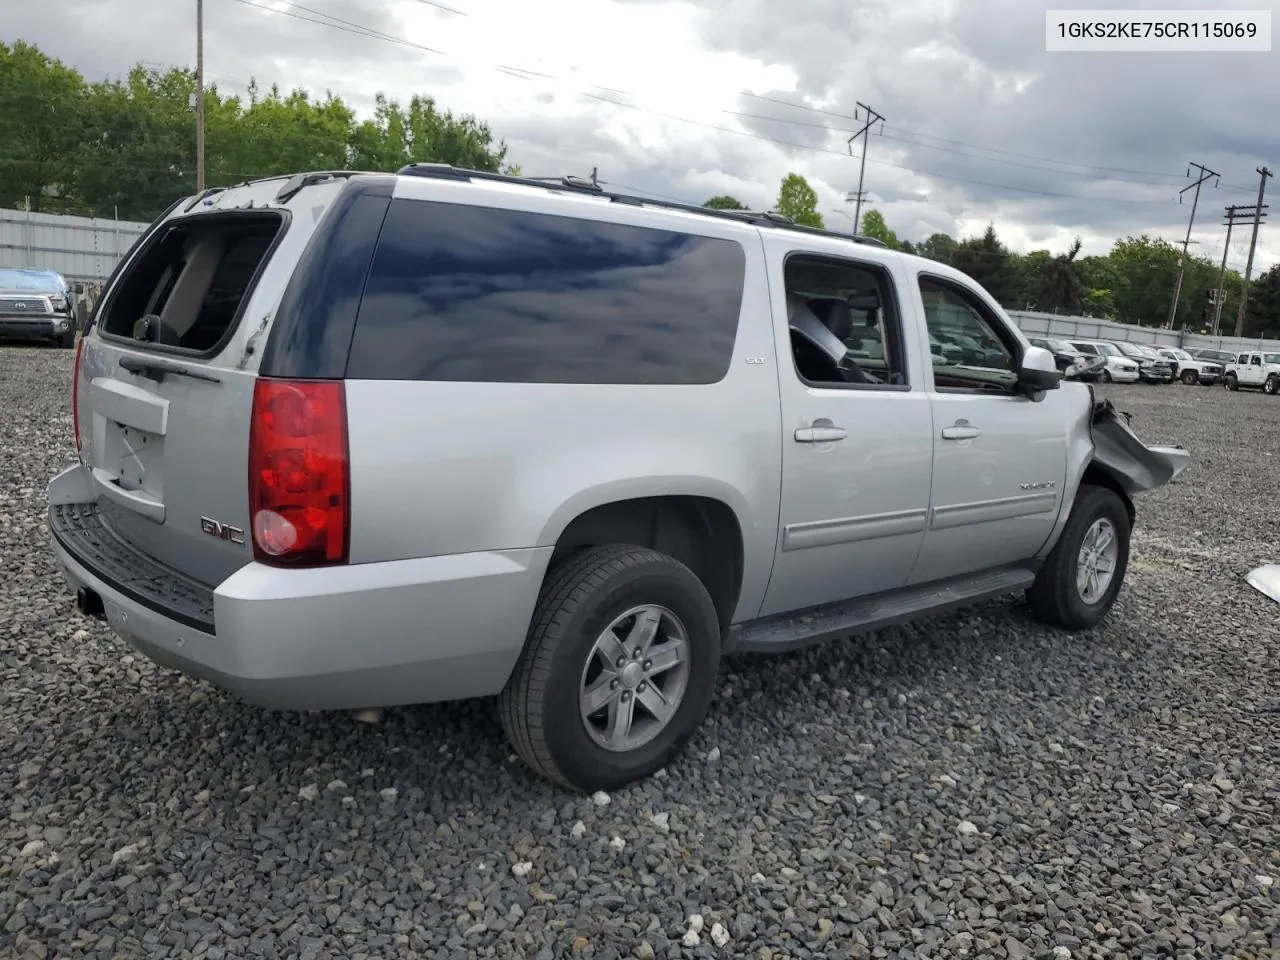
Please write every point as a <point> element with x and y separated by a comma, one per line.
<point>1136,466</point>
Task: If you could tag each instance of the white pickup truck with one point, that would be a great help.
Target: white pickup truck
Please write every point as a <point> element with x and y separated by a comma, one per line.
<point>1255,369</point>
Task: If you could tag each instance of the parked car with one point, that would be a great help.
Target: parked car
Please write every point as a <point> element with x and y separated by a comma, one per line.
<point>1152,368</point>
<point>1118,368</point>
<point>1074,364</point>
<point>1191,370</point>
<point>479,435</point>
<point>1220,357</point>
<point>36,305</point>
<point>1256,370</point>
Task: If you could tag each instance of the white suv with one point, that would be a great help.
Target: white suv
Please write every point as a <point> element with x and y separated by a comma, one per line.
<point>1255,369</point>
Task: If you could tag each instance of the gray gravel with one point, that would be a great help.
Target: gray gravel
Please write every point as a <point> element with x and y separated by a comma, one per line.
<point>973,786</point>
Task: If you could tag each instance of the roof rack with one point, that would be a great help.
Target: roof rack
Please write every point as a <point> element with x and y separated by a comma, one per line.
<point>571,184</point>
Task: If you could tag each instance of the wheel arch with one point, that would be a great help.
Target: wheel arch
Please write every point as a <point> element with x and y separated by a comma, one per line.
<point>703,532</point>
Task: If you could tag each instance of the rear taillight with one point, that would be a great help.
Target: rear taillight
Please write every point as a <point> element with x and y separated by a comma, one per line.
<point>75,393</point>
<point>299,478</point>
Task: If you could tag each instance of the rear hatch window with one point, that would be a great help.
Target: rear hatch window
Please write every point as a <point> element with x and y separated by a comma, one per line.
<point>187,289</point>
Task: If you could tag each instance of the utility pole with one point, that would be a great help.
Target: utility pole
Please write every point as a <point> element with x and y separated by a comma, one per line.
<point>1263,173</point>
<point>1205,174</point>
<point>199,96</point>
<point>1237,215</point>
<point>872,118</point>
<point>850,197</point>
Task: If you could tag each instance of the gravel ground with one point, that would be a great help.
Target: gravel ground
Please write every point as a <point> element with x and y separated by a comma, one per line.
<point>973,786</point>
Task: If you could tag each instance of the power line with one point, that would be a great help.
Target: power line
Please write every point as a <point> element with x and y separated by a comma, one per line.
<point>521,73</point>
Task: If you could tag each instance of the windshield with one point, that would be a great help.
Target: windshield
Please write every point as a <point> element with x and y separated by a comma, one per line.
<point>1109,349</point>
<point>1179,354</point>
<point>1087,348</point>
<point>1271,358</point>
<point>1131,350</point>
<point>1061,346</point>
<point>36,281</point>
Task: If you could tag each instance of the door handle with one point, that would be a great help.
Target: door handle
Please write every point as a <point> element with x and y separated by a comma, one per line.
<point>820,431</point>
<point>963,430</point>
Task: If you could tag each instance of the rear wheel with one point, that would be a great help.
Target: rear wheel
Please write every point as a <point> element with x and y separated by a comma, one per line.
<point>1272,384</point>
<point>1190,378</point>
<point>618,669</point>
<point>1231,383</point>
<point>1079,581</point>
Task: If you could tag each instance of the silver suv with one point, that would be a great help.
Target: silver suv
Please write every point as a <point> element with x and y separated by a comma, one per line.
<point>353,440</point>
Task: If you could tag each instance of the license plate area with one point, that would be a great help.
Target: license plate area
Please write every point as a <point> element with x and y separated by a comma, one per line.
<point>133,458</point>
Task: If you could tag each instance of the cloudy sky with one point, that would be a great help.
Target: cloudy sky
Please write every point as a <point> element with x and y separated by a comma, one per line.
<point>692,98</point>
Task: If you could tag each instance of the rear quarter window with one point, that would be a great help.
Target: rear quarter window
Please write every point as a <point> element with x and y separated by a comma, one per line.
<point>467,293</point>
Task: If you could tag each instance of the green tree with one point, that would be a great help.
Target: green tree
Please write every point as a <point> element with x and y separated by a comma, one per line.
<point>873,226</point>
<point>724,202</point>
<point>42,109</point>
<point>987,261</point>
<point>799,201</point>
<point>1262,314</point>
<point>1060,288</point>
<point>128,146</point>
<point>939,247</point>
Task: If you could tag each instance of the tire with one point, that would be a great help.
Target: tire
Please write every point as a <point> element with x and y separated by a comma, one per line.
<point>1056,598</point>
<point>67,340</point>
<point>1271,385</point>
<point>540,705</point>
<point>1190,378</point>
<point>1106,376</point>
<point>1231,383</point>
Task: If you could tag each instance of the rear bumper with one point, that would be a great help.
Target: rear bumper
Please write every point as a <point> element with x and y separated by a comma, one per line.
<point>364,635</point>
<point>28,326</point>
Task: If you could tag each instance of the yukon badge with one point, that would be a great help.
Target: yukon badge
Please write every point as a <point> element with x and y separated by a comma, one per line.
<point>222,531</point>
<point>1042,485</point>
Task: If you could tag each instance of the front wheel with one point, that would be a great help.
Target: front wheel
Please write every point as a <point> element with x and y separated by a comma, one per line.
<point>1106,376</point>
<point>1190,378</point>
<point>1079,581</point>
<point>1231,383</point>
<point>618,669</point>
<point>1272,385</point>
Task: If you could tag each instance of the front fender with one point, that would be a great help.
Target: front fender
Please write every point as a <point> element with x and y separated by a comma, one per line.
<point>1136,466</point>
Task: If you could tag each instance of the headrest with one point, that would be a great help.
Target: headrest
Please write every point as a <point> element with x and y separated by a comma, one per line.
<point>835,314</point>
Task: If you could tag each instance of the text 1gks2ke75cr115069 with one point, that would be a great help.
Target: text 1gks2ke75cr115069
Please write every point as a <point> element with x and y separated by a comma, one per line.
<point>356,440</point>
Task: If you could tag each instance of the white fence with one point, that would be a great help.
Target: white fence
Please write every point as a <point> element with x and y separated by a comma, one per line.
<point>80,248</point>
<point>1091,328</point>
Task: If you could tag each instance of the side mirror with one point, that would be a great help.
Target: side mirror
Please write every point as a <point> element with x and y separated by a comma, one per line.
<point>1038,371</point>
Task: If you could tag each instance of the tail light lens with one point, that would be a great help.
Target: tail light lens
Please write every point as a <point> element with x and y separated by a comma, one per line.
<point>75,393</point>
<point>299,474</point>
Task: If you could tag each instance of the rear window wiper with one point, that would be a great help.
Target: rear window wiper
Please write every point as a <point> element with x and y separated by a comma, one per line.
<point>157,370</point>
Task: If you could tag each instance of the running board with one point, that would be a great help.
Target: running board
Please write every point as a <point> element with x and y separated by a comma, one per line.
<point>792,631</point>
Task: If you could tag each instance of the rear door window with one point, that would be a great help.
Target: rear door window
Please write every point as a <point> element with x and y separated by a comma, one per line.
<point>468,293</point>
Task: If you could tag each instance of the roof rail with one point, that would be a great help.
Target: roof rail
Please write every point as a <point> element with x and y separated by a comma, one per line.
<point>571,184</point>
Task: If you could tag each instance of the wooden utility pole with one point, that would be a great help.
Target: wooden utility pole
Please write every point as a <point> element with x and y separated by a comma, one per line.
<point>199,96</point>
<point>1237,215</point>
<point>872,118</point>
<point>1205,174</point>
<point>1263,173</point>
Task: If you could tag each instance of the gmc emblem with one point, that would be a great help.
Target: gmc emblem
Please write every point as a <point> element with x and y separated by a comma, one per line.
<point>222,531</point>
